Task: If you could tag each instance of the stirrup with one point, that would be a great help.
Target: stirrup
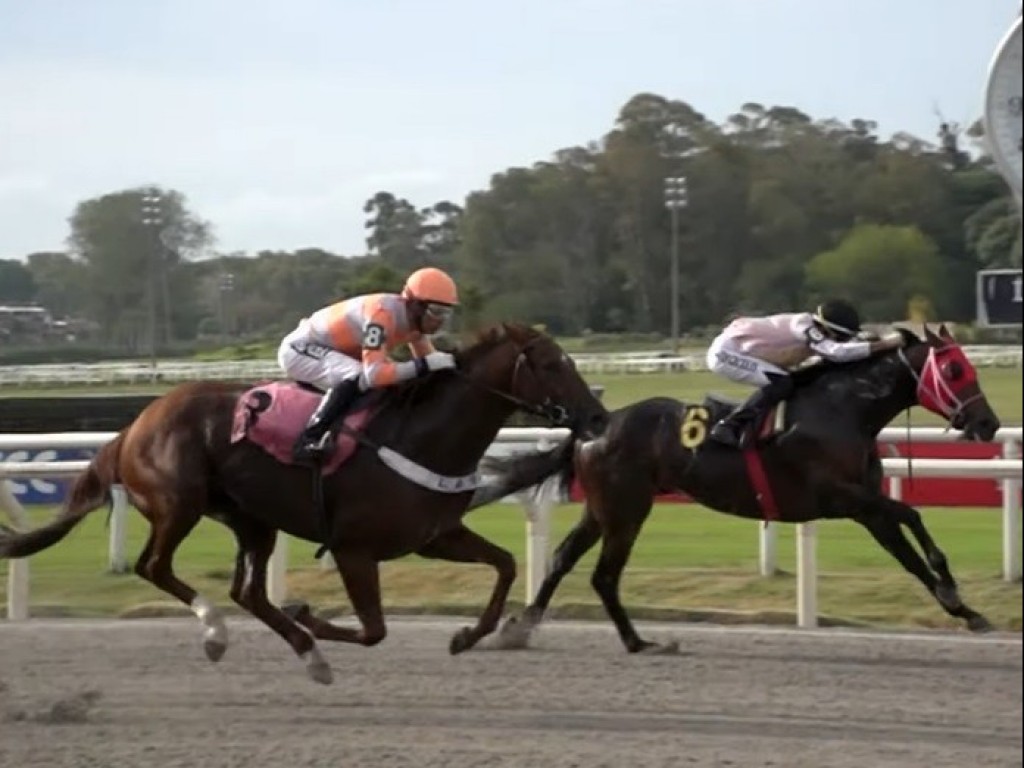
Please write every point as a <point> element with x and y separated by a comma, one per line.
<point>729,434</point>
<point>314,450</point>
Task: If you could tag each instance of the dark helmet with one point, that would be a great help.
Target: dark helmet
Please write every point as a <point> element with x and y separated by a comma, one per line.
<point>838,318</point>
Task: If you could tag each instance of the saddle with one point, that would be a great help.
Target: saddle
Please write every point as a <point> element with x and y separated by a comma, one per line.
<point>273,414</point>
<point>770,424</point>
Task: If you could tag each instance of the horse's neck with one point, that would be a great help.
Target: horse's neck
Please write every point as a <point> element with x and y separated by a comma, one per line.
<point>878,411</point>
<point>872,392</point>
<point>450,429</point>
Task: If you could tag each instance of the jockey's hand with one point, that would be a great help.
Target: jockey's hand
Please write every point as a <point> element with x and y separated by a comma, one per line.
<point>894,341</point>
<point>437,361</point>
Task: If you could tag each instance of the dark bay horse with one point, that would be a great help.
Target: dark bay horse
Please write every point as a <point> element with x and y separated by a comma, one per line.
<point>177,462</point>
<point>821,463</point>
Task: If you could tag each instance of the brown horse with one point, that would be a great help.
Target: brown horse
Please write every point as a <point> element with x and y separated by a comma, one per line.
<point>178,462</point>
<point>822,462</point>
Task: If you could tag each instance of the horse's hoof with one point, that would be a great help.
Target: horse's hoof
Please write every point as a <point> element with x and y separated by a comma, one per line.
<point>532,616</point>
<point>514,635</point>
<point>297,611</point>
<point>215,649</point>
<point>660,649</point>
<point>317,667</point>
<point>215,641</point>
<point>461,641</point>
<point>646,648</point>
<point>321,673</point>
<point>979,624</point>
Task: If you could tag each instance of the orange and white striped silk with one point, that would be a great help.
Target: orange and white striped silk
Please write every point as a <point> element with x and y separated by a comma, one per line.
<point>367,328</point>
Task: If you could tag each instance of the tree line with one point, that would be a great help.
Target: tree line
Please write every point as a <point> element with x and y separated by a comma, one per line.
<point>781,209</point>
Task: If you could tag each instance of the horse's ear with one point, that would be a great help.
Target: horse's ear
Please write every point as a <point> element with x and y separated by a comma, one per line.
<point>909,337</point>
<point>514,331</point>
<point>944,333</point>
<point>931,338</point>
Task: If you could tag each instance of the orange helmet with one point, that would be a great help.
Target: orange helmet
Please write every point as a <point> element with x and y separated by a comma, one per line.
<point>432,285</point>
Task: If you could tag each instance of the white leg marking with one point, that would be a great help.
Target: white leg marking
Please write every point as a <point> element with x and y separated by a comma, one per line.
<point>317,666</point>
<point>216,631</point>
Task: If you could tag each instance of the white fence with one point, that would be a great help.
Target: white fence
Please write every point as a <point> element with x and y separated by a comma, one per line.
<point>538,508</point>
<point>139,372</point>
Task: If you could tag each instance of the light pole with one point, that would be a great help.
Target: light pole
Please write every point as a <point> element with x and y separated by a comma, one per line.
<point>676,199</point>
<point>225,286</point>
<point>152,220</point>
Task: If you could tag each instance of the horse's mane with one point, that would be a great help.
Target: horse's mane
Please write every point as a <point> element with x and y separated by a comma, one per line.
<point>493,336</point>
<point>484,341</point>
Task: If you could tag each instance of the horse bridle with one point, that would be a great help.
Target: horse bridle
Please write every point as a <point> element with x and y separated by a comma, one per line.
<point>553,412</point>
<point>942,395</point>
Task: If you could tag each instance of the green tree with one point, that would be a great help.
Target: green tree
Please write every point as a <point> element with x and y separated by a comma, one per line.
<point>993,233</point>
<point>16,282</point>
<point>882,268</point>
<point>60,282</point>
<point>396,232</point>
<point>132,263</point>
<point>373,276</point>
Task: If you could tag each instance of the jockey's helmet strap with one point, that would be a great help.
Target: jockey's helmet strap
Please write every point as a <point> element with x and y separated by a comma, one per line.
<point>833,326</point>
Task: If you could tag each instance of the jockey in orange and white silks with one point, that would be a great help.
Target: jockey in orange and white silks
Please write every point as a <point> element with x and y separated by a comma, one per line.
<point>344,348</point>
<point>762,351</point>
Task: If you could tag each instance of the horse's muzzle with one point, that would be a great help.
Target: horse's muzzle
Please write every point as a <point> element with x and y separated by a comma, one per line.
<point>981,429</point>
<point>591,427</point>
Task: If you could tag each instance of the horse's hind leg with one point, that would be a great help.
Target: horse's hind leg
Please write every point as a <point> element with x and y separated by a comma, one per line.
<point>249,589</point>
<point>619,536</point>
<point>882,517</point>
<point>462,545</point>
<point>171,522</point>
<point>577,543</point>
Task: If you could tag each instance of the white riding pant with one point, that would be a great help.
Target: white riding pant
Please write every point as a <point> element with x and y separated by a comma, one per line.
<point>315,364</point>
<point>725,360</point>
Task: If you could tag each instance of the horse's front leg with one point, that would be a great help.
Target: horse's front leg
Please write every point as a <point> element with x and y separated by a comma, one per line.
<point>462,545</point>
<point>360,574</point>
<point>883,517</point>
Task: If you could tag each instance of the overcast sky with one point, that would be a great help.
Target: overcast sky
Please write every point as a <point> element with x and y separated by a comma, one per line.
<point>278,120</point>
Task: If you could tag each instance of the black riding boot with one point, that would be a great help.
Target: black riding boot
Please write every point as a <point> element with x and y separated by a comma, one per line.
<point>315,443</point>
<point>734,429</point>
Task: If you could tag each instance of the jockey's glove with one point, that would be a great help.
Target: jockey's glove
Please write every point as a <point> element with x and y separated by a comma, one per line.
<point>435,361</point>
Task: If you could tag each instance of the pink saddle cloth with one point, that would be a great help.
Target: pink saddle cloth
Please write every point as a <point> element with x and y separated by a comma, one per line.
<point>272,416</point>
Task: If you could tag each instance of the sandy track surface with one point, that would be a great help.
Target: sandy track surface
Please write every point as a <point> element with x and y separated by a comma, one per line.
<point>141,693</point>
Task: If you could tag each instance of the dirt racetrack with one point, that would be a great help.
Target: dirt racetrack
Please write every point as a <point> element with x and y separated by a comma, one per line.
<point>141,694</point>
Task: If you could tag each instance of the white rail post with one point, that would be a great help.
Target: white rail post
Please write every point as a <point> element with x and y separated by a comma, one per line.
<point>538,530</point>
<point>117,561</point>
<point>807,576</point>
<point>1011,518</point>
<point>17,570</point>
<point>538,526</point>
<point>277,571</point>
<point>896,488</point>
<point>17,590</point>
<point>769,536</point>
<point>895,483</point>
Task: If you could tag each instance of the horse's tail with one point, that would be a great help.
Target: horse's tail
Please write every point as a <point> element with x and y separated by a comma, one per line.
<point>514,473</point>
<point>90,491</point>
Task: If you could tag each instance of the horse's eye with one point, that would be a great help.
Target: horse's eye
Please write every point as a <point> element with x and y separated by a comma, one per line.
<point>952,371</point>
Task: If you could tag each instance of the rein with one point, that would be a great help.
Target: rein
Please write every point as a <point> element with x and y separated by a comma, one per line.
<point>941,396</point>
<point>553,412</point>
